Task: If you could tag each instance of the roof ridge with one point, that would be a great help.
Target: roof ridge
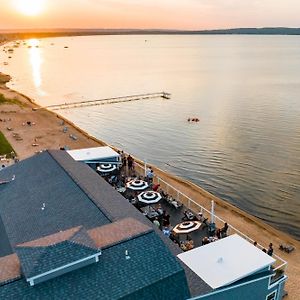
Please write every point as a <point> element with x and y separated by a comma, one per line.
<point>129,238</point>
<point>58,235</point>
<point>79,233</point>
<point>118,232</point>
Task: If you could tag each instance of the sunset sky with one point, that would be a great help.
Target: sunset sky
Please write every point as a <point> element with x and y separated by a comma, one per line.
<point>167,14</point>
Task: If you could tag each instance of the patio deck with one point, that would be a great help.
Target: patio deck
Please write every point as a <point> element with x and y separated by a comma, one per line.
<point>189,204</point>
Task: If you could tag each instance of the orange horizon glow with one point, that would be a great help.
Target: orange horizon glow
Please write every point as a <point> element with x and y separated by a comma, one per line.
<point>148,14</point>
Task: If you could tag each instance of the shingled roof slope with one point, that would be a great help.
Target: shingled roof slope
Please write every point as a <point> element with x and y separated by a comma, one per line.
<point>148,273</point>
<point>44,199</point>
<point>36,260</point>
<point>95,193</point>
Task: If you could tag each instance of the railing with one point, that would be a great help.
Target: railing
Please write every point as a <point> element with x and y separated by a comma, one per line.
<point>279,265</point>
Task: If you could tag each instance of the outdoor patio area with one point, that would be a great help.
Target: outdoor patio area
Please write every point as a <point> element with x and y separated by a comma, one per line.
<point>186,228</point>
<point>179,217</point>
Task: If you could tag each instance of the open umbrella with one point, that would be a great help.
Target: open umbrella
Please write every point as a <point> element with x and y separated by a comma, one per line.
<point>186,227</point>
<point>106,168</point>
<point>149,197</point>
<point>137,185</point>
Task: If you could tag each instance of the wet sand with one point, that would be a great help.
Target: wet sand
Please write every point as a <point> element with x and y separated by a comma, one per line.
<point>46,131</point>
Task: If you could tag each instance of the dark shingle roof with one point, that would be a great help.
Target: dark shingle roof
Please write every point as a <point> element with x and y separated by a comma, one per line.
<point>5,247</point>
<point>31,253</point>
<point>42,182</point>
<point>150,273</point>
<point>82,190</point>
<point>36,260</point>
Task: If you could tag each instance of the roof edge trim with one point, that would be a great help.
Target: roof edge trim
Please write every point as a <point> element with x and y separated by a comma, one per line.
<point>64,267</point>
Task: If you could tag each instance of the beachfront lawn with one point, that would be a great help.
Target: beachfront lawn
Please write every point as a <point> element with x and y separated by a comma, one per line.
<point>4,100</point>
<point>5,147</point>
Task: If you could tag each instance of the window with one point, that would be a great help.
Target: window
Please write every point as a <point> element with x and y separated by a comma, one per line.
<point>271,296</point>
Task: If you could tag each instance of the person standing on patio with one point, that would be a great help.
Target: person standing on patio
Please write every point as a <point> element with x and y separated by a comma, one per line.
<point>123,158</point>
<point>166,219</point>
<point>224,230</point>
<point>166,231</point>
<point>130,163</point>
<point>148,170</point>
<point>150,176</point>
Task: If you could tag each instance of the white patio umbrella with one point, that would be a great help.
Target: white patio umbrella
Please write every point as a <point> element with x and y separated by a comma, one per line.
<point>186,227</point>
<point>137,185</point>
<point>149,197</point>
<point>106,168</point>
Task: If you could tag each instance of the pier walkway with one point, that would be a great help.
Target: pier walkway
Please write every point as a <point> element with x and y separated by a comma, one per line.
<point>113,100</point>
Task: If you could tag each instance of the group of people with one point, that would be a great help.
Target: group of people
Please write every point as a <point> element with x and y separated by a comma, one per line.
<point>269,251</point>
<point>222,232</point>
<point>163,220</point>
<point>127,161</point>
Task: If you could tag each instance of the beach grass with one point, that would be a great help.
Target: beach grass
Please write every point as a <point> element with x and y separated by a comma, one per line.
<point>4,100</point>
<point>5,147</point>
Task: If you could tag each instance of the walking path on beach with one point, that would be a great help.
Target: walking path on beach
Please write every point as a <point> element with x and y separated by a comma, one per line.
<point>31,131</point>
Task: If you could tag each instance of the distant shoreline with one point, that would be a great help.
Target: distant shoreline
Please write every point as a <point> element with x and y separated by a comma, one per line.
<point>6,35</point>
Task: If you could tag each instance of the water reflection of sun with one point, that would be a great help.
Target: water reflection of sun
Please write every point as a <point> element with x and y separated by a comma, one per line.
<point>35,61</point>
<point>30,7</point>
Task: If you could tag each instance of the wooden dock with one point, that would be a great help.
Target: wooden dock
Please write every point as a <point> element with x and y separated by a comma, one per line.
<point>86,103</point>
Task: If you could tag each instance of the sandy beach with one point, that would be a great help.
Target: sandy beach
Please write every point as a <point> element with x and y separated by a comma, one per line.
<point>30,131</point>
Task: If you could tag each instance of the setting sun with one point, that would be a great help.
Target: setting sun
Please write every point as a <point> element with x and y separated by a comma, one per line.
<point>29,7</point>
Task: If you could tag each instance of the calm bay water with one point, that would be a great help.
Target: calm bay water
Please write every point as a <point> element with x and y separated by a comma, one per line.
<point>244,89</point>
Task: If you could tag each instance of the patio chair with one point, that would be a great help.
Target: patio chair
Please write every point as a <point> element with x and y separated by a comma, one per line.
<point>176,204</point>
<point>287,248</point>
